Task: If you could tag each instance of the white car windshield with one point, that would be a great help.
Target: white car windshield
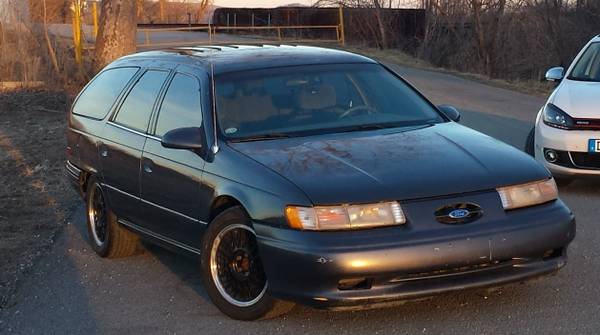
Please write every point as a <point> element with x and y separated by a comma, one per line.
<point>315,99</point>
<point>588,65</point>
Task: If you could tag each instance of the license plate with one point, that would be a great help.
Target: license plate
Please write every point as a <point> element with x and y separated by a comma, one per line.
<point>594,145</point>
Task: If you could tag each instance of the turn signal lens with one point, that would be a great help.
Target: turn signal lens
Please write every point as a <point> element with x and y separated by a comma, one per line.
<point>345,216</point>
<point>301,217</point>
<point>529,194</point>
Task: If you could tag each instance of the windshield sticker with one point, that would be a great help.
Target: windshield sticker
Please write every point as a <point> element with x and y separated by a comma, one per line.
<point>230,131</point>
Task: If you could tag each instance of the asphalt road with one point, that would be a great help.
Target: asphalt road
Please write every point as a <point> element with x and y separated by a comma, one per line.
<point>73,291</point>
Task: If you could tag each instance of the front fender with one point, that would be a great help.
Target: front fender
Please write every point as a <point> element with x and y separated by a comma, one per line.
<point>263,193</point>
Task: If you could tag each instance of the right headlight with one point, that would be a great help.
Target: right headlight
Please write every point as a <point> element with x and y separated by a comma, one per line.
<point>530,194</point>
<point>557,118</point>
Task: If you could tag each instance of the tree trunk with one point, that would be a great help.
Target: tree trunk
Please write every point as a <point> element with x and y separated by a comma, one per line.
<point>381,24</point>
<point>48,42</point>
<point>116,31</point>
<point>481,50</point>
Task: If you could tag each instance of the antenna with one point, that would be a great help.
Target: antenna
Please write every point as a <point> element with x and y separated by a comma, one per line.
<point>215,146</point>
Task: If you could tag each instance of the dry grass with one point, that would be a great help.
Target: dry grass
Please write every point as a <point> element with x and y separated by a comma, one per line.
<point>30,55</point>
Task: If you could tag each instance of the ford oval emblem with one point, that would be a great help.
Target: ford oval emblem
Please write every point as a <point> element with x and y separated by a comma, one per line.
<point>459,213</point>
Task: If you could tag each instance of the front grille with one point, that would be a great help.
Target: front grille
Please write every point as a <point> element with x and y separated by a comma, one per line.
<point>586,160</point>
<point>586,124</point>
<point>453,271</point>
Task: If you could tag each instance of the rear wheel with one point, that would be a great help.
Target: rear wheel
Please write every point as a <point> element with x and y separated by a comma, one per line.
<point>530,143</point>
<point>232,271</point>
<point>107,237</point>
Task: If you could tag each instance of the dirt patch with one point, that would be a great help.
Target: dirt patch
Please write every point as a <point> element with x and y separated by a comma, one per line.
<point>35,197</point>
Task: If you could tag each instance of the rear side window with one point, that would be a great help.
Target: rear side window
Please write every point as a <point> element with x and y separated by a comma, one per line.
<point>137,107</point>
<point>181,106</point>
<point>101,93</point>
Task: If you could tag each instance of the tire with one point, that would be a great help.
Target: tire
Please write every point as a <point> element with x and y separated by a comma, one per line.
<point>563,181</point>
<point>232,272</point>
<point>530,143</point>
<point>107,237</point>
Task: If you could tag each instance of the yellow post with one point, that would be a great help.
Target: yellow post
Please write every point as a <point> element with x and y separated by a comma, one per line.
<point>162,11</point>
<point>342,37</point>
<point>95,17</point>
<point>77,45</point>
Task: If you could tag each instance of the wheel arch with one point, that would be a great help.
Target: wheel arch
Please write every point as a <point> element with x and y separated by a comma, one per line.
<point>223,203</point>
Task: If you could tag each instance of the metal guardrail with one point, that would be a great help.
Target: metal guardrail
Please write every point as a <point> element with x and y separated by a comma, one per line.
<point>212,32</point>
<point>279,32</point>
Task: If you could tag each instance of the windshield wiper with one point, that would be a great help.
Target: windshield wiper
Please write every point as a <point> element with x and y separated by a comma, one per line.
<point>361,127</point>
<point>378,126</point>
<point>262,137</point>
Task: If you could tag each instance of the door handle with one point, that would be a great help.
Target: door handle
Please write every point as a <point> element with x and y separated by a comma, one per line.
<point>147,166</point>
<point>103,150</point>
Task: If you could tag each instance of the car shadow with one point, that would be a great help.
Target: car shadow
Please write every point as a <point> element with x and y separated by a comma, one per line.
<point>186,268</point>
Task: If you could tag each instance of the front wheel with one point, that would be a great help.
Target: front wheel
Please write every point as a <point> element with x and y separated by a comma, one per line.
<point>530,143</point>
<point>232,271</point>
<point>563,181</point>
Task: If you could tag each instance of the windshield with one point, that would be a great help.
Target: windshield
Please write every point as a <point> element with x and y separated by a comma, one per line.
<point>588,65</point>
<point>316,99</point>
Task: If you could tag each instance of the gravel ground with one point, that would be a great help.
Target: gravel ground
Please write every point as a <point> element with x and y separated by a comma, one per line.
<point>33,198</point>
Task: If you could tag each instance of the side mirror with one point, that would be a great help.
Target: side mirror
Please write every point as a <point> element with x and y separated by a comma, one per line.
<point>183,138</point>
<point>450,112</point>
<point>555,74</point>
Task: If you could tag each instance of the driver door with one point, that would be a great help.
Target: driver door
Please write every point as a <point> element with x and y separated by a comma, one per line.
<point>171,178</point>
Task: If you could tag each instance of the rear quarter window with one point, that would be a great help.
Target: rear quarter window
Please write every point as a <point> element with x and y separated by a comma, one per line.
<point>99,96</point>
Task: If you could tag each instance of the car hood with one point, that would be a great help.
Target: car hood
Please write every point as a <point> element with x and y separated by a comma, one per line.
<point>394,164</point>
<point>580,99</point>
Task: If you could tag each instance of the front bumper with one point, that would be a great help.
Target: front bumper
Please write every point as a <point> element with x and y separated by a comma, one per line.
<point>567,141</point>
<point>397,264</point>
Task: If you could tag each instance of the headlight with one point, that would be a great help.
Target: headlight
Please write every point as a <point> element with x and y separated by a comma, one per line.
<point>345,216</point>
<point>557,118</point>
<point>529,194</point>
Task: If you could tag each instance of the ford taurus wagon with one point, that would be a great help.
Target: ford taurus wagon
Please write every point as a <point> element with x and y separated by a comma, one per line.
<point>305,175</point>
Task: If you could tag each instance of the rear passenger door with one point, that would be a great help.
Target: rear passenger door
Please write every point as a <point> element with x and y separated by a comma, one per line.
<point>123,140</point>
<point>171,178</point>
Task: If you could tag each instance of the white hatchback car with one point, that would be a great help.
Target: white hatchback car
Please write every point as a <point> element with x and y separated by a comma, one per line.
<point>566,136</point>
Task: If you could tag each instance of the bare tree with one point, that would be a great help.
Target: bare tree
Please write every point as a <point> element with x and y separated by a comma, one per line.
<point>382,19</point>
<point>117,31</point>
<point>51,51</point>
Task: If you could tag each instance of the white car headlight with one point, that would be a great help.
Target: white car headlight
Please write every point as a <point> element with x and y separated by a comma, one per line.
<point>530,194</point>
<point>345,216</point>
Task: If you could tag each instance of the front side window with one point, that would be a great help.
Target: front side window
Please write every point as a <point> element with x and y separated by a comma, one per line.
<point>181,105</point>
<point>98,97</point>
<point>588,65</point>
<point>314,99</point>
<point>136,109</point>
